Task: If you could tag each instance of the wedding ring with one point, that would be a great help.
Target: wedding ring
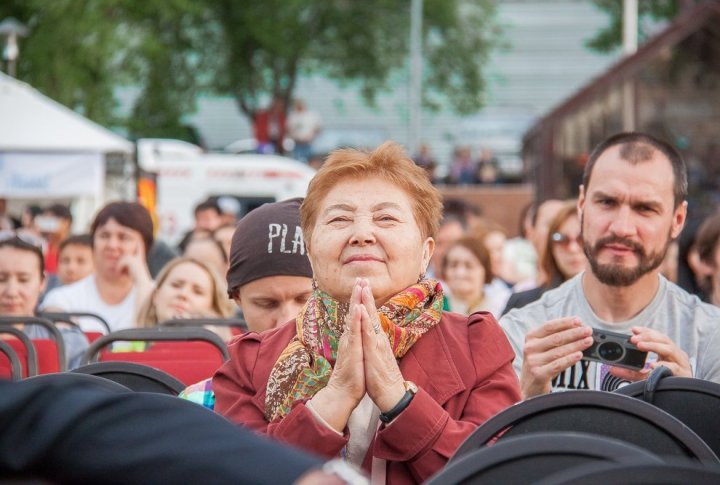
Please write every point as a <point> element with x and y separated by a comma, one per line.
<point>376,327</point>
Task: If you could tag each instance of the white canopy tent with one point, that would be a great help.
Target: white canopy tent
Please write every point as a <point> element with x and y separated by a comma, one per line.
<point>48,151</point>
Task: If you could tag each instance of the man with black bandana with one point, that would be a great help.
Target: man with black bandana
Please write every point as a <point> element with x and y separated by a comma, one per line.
<point>632,205</point>
<point>269,277</point>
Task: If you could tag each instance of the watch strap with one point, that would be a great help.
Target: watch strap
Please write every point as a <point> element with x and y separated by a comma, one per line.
<point>398,408</point>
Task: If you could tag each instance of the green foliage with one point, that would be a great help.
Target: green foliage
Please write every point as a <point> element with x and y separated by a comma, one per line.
<point>610,37</point>
<point>80,51</point>
<point>264,46</point>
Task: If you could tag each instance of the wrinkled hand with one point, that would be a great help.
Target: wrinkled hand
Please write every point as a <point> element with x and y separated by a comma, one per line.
<point>383,379</point>
<point>549,350</point>
<point>669,355</point>
<point>348,377</point>
<point>346,387</point>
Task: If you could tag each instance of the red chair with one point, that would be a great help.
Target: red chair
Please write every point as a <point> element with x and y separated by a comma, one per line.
<point>24,349</point>
<point>10,367</point>
<point>238,326</point>
<point>51,355</point>
<point>188,354</point>
<point>68,317</point>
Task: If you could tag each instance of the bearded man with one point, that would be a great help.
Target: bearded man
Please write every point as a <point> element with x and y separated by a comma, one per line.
<point>631,205</point>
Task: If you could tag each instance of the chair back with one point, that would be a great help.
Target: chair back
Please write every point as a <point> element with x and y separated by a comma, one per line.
<point>70,318</point>
<point>691,401</point>
<point>50,352</point>
<point>136,377</point>
<point>637,474</point>
<point>24,349</point>
<point>529,458</point>
<point>188,354</point>
<point>10,367</point>
<point>62,379</point>
<point>595,412</point>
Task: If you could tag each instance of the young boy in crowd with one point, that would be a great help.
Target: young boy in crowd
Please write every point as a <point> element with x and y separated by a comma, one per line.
<point>75,260</point>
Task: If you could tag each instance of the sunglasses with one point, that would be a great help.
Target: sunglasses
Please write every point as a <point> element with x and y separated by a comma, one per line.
<point>560,239</point>
<point>25,237</point>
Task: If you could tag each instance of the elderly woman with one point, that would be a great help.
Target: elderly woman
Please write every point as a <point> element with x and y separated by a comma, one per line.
<point>371,369</point>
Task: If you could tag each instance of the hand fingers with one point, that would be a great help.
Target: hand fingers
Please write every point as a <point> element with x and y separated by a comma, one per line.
<point>678,370</point>
<point>647,334</point>
<point>666,351</point>
<point>545,372</point>
<point>536,344</point>
<point>355,295</point>
<point>370,308</point>
<point>629,374</point>
<point>556,353</point>
<point>554,326</point>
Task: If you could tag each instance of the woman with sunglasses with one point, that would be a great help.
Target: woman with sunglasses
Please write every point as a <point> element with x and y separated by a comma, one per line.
<point>563,256</point>
<point>122,234</point>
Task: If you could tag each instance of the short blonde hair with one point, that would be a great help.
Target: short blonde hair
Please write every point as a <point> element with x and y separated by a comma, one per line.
<point>221,306</point>
<point>388,162</point>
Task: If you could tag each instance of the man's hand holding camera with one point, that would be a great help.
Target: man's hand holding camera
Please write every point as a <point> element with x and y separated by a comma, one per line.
<point>559,344</point>
<point>669,355</point>
<point>549,350</point>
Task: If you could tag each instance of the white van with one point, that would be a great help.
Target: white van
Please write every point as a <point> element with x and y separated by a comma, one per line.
<point>185,176</point>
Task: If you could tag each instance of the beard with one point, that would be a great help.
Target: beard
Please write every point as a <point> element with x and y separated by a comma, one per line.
<point>616,274</point>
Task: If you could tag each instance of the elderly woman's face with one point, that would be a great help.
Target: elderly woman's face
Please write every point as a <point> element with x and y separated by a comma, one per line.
<point>366,228</point>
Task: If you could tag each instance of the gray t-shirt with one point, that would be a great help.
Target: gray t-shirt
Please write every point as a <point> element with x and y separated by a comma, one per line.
<point>693,325</point>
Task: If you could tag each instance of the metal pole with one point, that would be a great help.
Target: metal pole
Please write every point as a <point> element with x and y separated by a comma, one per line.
<point>630,44</point>
<point>416,9</point>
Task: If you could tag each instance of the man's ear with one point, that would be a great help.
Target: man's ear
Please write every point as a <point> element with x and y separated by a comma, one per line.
<point>679,217</point>
<point>43,284</point>
<point>237,299</point>
<point>581,201</point>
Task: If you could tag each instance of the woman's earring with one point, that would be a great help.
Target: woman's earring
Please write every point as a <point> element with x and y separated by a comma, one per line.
<point>314,284</point>
<point>421,277</point>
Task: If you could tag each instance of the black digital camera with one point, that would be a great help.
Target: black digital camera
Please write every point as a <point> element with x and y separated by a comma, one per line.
<point>614,349</point>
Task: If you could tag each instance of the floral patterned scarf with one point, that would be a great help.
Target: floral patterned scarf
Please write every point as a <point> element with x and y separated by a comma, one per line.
<point>305,365</point>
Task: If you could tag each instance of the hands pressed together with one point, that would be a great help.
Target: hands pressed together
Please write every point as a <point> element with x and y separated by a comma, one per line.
<point>558,344</point>
<point>365,364</point>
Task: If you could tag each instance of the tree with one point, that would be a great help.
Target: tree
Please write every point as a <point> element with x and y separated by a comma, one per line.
<point>80,51</point>
<point>610,37</point>
<point>71,54</point>
<point>264,46</point>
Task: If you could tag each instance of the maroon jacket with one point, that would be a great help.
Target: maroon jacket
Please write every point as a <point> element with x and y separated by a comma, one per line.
<point>463,370</point>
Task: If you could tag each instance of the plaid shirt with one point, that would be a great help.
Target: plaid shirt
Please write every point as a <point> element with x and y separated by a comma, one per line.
<point>200,393</point>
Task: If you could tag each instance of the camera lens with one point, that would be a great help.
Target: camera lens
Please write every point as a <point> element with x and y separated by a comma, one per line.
<point>611,351</point>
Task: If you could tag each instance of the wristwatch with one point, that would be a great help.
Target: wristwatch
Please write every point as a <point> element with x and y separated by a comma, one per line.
<point>410,391</point>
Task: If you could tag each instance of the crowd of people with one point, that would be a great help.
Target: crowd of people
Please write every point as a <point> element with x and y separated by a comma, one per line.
<point>385,324</point>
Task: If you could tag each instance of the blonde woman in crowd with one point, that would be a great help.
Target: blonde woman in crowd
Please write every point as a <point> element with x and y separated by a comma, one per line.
<point>187,288</point>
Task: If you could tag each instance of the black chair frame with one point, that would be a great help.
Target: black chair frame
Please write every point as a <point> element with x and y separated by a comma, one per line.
<point>155,335</point>
<point>49,326</point>
<point>500,426</point>
<point>513,455</point>
<point>684,388</point>
<point>67,317</point>
<point>69,377</point>
<point>32,363</point>
<point>156,377</point>
<point>200,322</point>
<point>15,366</point>
<point>636,474</point>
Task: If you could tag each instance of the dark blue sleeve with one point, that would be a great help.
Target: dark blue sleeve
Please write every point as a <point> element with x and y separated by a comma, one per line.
<point>75,434</point>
